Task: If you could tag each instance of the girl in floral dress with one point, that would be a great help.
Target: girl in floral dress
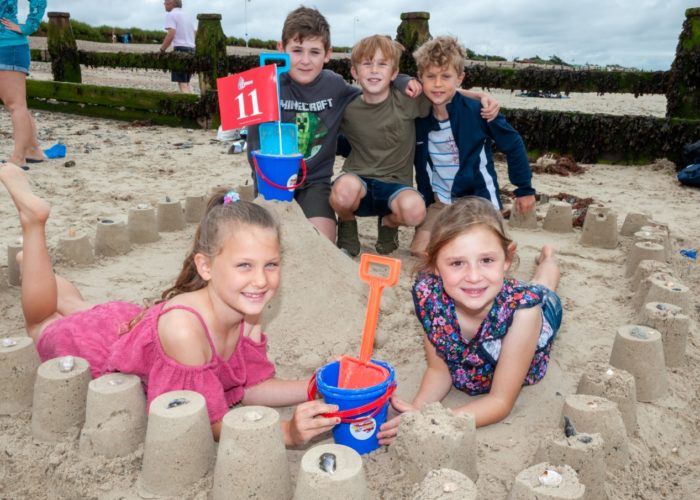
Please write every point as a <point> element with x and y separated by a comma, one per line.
<point>485,333</point>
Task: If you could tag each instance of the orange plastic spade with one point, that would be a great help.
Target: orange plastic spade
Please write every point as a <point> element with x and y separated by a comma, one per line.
<point>356,373</point>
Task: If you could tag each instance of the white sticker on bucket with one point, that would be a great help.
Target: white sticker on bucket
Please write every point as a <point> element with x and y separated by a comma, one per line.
<point>292,181</point>
<point>363,430</point>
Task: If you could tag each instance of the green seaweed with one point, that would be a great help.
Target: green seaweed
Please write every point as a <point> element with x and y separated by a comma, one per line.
<point>63,49</point>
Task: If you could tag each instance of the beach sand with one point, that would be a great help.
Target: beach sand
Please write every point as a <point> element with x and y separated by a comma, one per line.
<point>319,310</point>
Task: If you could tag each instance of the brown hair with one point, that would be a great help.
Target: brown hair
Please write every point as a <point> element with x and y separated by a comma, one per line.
<point>458,218</point>
<point>304,22</point>
<point>220,222</point>
<point>365,49</point>
<point>441,52</point>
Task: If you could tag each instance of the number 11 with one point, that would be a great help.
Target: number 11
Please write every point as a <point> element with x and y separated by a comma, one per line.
<point>253,94</point>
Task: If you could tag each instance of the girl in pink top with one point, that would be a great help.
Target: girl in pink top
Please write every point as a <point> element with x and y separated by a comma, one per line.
<point>203,335</point>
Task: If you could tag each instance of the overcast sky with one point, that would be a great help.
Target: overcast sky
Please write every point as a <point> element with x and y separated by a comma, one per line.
<point>640,33</point>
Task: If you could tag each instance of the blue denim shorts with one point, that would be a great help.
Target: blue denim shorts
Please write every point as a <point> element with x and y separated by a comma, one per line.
<point>379,196</point>
<point>552,310</point>
<point>15,58</point>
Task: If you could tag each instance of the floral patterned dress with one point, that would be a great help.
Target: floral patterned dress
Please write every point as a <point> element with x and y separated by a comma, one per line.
<point>472,362</point>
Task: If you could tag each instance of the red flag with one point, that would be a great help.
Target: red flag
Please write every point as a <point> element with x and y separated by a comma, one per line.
<point>249,97</point>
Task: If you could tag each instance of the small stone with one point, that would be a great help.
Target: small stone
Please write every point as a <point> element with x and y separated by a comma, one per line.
<point>116,381</point>
<point>550,478</point>
<point>450,487</point>
<point>69,164</point>
<point>253,416</point>
<point>66,364</point>
<point>71,232</point>
<point>8,342</point>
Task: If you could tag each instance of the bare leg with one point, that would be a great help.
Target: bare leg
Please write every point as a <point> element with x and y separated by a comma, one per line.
<point>547,272</point>
<point>184,87</point>
<point>325,226</point>
<point>13,93</point>
<point>39,290</point>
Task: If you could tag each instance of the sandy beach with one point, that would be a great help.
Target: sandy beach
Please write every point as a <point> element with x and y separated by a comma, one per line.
<point>112,166</point>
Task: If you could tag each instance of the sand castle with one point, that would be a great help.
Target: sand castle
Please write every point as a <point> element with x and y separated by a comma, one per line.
<point>76,248</point>
<point>251,440</point>
<point>559,218</point>
<point>435,438</point>
<point>599,227</point>
<point>331,472</point>
<point>60,391</point>
<point>673,325</point>
<point>18,364</point>
<point>545,481</point>
<point>111,238</point>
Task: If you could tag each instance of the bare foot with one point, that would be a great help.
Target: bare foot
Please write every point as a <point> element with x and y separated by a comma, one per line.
<point>547,252</point>
<point>32,209</point>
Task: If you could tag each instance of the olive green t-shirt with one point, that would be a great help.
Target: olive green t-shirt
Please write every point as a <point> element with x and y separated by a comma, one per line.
<point>383,136</point>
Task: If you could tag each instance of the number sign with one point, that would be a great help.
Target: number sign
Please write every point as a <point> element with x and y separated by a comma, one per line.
<point>248,98</point>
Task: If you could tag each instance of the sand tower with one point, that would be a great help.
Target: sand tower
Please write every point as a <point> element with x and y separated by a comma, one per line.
<point>585,453</point>
<point>599,227</point>
<point>142,224</point>
<point>559,218</point>
<point>633,222</point>
<point>637,349</point>
<point>195,207</point>
<point>545,481</point>
<point>115,416</point>
<point>76,248</point>
<point>435,438</point>
<point>593,414</point>
<point>331,472</point>
<point>179,448</point>
<point>445,484</point>
<point>646,268</point>
<point>663,288</point>
<point>13,274</point>
<point>251,440</point>
<point>111,238</point>
<point>643,250</point>
<point>18,364</point>
<point>673,326</point>
<point>524,221</point>
<point>60,391</point>
<point>170,216</point>
<point>601,379</point>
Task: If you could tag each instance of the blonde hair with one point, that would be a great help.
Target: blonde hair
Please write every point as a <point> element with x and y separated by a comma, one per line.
<point>304,22</point>
<point>440,52</point>
<point>365,49</point>
<point>459,218</point>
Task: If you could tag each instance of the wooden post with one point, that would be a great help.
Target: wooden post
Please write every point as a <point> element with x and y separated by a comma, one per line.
<point>211,43</point>
<point>683,93</point>
<point>63,50</point>
<point>412,33</point>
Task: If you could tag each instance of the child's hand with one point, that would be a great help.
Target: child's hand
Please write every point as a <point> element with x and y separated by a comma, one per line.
<point>308,422</point>
<point>524,204</point>
<point>387,432</point>
<point>489,107</point>
<point>414,88</point>
<point>10,25</point>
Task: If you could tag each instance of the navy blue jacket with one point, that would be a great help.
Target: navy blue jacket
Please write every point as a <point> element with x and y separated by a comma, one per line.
<point>474,136</point>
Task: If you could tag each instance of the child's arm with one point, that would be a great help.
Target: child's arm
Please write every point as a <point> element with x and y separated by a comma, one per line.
<point>489,106</point>
<point>308,420</point>
<point>519,172</point>
<point>517,351</point>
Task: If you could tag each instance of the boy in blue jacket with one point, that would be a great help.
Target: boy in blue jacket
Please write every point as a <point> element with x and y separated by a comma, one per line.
<point>454,143</point>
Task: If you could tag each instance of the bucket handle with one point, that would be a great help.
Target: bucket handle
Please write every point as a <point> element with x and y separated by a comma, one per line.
<point>279,186</point>
<point>346,416</point>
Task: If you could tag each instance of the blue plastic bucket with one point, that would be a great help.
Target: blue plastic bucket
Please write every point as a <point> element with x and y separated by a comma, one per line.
<point>359,432</point>
<point>277,175</point>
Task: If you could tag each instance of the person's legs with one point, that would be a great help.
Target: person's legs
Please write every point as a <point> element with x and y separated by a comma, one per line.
<point>347,192</point>
<point>184,87</point>
<point>13,94</point>
<point>547,271</point>
<point>407,209</point>
<point>313,200</point>
<point>40,287</point>
<point>421,238</point>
